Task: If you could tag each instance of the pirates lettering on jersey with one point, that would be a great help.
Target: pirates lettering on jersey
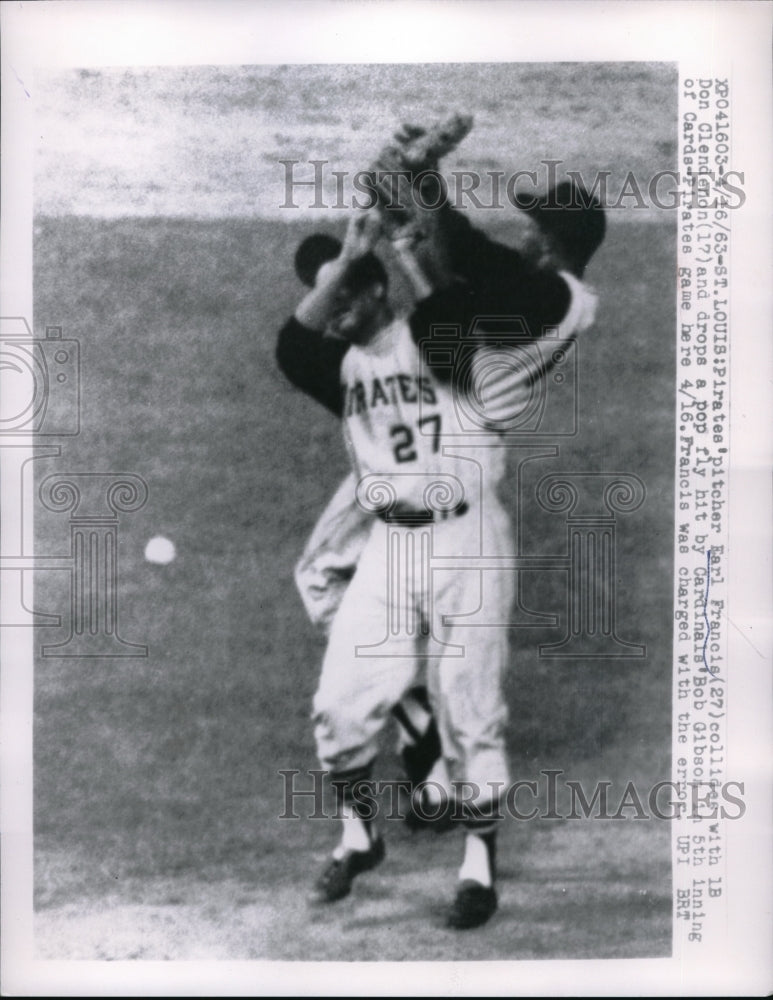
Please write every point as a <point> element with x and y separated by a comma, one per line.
<point>394,412</point>
<point>387,391</point>
<point>398,420</point>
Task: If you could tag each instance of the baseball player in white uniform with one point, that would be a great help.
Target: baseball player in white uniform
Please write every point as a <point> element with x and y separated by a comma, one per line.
<point>322,576</point>
<point>397,624</point>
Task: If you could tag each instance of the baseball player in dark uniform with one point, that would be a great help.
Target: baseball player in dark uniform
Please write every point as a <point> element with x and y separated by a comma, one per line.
<point>372,375</point>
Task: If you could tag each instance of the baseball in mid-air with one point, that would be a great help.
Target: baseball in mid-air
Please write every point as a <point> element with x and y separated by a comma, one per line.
<point>160,550</point>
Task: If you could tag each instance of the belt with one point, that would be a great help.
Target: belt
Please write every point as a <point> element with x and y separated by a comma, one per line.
<point>407,518</point>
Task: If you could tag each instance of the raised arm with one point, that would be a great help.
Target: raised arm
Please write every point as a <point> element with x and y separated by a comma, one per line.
<point>500,297</point>
<point>318,306</point>
<point>495,292</point>
<point>312,362</point>
<point>309,358</point>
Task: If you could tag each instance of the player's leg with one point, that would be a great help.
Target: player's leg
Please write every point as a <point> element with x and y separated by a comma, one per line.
<point>322,576</point>
<point>418,740</point>
<point>427,800</point>
<point>357,690</point>
<point>473,716</point>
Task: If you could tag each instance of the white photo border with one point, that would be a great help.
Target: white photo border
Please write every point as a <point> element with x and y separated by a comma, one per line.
<point>715,39</point>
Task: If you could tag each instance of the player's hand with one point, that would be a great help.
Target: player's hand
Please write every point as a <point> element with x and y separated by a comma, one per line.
<point>362,234</point>
<point>407,132</point>
<point>412,148</point>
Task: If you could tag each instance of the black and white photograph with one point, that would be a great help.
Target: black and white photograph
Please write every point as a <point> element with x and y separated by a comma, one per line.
<point>368,510</point>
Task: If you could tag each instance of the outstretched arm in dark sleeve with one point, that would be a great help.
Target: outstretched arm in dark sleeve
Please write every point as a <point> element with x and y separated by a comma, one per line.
<point>525,302</point>
<point>312,362</point>
<point>307,357</point>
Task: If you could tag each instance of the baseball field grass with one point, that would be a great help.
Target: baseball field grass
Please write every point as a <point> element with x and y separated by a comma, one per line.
<point>160,245</point>
<point>157,792</point>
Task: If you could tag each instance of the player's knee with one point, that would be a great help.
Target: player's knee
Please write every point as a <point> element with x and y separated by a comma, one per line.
<point>334,716</point>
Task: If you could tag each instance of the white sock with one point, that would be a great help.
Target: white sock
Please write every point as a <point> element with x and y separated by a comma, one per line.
<point>355,834</point>
<point>476,861</point>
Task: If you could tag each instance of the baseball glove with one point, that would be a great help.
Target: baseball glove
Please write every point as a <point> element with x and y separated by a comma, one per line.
<point>423,149</point>
<point>414,151</point>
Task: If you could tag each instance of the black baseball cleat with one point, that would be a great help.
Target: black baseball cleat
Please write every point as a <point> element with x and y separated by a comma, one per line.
<point>335,882</point>
<point>474,905</point>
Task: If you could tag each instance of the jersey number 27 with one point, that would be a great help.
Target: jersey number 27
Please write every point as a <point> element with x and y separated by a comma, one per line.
<point>403,437</point>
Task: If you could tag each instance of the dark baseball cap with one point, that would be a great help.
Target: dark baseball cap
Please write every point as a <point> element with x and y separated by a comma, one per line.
<point>312,253</point>
<point>319,248</point>
<point>573,219</point>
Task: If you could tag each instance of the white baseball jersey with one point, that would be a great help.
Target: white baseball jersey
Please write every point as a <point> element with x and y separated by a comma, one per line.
<point>502,392</point>
<point>402,425</point>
